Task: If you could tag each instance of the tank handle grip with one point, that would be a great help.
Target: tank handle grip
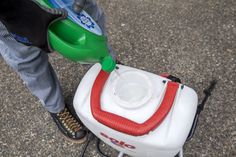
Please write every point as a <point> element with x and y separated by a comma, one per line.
<point>125,125</point>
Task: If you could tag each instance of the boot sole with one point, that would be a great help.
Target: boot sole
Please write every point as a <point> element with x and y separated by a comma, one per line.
<point>80,141</point>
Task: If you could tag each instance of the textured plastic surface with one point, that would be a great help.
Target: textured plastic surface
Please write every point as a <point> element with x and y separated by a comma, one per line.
<point>76,42</point>
<point>166,140</point>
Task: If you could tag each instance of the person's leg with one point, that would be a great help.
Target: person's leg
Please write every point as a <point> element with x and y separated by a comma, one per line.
<point>31,63</point>
<point>98,15</point>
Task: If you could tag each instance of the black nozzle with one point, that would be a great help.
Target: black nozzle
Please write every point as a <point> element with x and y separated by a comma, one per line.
<point>207,93</point>
<point>200,107</point>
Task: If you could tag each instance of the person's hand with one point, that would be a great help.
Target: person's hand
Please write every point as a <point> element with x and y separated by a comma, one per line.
<point>78,5</point>
<point>28,22</point>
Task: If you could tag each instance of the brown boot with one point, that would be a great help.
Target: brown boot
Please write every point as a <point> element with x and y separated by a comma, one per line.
<point>69,126</point>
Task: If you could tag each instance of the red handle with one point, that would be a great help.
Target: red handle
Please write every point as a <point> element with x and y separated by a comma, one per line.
<point>125,125</point>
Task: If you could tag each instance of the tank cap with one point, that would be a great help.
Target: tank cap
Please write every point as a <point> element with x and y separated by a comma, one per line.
<point>108,64</point>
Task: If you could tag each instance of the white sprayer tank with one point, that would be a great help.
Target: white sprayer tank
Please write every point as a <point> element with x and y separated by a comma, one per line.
<point>136,112</point>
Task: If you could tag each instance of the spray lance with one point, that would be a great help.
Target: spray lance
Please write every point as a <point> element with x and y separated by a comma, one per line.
<point>78,38</point>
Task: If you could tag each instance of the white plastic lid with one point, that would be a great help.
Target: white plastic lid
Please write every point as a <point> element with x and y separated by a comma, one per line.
<point>131,89</point>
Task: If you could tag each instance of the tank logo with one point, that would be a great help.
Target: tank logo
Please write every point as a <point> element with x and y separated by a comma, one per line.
<point>117,142</point>
<point>87,21</point>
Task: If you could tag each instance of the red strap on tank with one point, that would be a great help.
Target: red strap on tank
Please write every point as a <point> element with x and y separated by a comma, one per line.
<point>164,75</point>
<point>125,125</point>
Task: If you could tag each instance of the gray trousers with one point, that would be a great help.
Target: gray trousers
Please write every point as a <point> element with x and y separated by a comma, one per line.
<point>31,63</point>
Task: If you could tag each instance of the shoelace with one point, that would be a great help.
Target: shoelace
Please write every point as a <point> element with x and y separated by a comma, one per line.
<point>69,121</point>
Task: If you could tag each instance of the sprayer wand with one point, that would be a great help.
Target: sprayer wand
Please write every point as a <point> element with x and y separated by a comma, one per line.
<point>200,107</point>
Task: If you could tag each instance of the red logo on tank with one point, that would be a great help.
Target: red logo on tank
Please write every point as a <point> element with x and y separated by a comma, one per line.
<point>117,142</point>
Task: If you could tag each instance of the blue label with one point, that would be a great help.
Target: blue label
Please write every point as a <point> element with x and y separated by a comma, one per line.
<point>82,19</point>
<point>87,21</point>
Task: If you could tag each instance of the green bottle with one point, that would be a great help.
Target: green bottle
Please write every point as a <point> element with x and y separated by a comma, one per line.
<point>78,37</point>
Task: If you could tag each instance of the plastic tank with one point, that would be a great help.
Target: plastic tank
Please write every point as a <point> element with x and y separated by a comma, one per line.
<point>136,112</point>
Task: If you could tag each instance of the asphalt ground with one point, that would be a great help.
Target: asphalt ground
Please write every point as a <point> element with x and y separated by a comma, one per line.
<point>194,40</point>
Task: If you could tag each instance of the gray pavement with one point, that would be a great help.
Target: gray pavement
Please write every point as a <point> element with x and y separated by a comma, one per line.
<point>192,39</point>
